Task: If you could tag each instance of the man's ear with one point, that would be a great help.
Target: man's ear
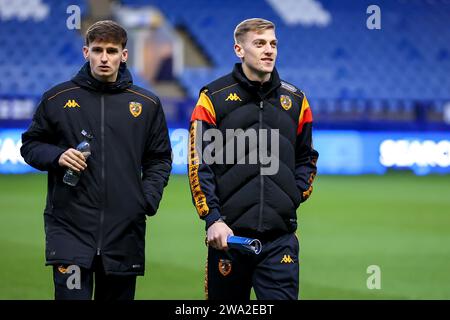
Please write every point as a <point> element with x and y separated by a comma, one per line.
<point>124,55</point>
<point>239,50</point>
<point>85,52</point>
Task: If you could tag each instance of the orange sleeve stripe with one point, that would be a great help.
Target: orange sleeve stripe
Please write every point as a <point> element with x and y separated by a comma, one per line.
<point>203,114</point>
<point>305,115</point>
<point>306,194</point>
<point>307,118</point>
<point>204,109</point>
<point>194,180</point>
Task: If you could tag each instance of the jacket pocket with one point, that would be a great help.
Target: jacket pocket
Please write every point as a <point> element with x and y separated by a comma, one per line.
<point>297,199</point>
<point>61,194</point>
<point>147,204</point>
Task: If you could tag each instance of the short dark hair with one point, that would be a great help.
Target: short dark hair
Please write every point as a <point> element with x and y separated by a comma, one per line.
<point>253,24</point>
<point>106,31</point>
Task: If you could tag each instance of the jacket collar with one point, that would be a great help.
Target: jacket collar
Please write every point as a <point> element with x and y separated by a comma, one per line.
<point>85,79</point>
<point>256,87</point>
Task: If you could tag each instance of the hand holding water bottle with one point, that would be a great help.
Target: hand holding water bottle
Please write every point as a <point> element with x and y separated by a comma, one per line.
<point>244,244</point>
<point>75,160</point>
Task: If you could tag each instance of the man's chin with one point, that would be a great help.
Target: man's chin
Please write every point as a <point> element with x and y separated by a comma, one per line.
<point>102,73</point>
<point>104,76</point>
<point>267,69</point>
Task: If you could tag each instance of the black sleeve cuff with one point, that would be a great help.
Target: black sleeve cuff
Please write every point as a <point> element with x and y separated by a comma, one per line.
<point>55,162</point>
<point>211,217</point>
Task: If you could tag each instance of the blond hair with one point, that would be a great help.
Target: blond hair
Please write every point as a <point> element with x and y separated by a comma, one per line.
<point>253,24</point>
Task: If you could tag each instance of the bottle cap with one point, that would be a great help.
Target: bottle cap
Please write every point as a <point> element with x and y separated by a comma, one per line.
<point>86,134</point>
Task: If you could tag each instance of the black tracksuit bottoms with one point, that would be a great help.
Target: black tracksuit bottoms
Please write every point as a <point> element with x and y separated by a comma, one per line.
<point>75,283</point>
<point>273,274</point>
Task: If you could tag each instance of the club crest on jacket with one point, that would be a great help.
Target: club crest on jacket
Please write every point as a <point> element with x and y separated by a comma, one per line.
<point>135,108</point>
<point>286,102</point>
<point>224,267</point>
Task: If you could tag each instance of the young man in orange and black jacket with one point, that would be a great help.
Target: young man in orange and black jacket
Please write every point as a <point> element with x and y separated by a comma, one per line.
<point>238,196</point>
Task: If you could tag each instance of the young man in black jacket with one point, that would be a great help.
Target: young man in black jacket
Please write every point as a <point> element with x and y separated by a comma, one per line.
<point>251,112</point>
<point>98,226</point>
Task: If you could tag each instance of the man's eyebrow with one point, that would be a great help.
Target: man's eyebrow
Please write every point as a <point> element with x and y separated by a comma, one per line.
<point>264,40</point>
<point>108,48</point>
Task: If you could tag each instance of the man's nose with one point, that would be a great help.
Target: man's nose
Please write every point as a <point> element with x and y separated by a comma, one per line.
<point>104,57</point>
<point>268,49</point>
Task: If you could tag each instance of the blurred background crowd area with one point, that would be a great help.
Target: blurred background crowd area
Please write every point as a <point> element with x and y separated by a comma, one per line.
<point>354,77</point>
<point>395,78</point>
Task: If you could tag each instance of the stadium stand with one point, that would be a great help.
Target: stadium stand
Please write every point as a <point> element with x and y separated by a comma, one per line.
<point>38,50</point>
<point>354,77</point>
<point>348,71</point>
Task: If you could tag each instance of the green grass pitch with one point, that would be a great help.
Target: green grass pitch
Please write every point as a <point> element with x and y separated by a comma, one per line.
<point>398,222</point>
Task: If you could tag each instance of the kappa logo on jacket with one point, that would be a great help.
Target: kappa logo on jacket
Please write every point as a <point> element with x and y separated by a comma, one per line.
<point>287,259</point>
<point>71,103</point>
<point>233,97</point>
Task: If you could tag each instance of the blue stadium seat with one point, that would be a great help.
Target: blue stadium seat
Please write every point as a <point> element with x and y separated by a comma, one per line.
<point>364,64</point>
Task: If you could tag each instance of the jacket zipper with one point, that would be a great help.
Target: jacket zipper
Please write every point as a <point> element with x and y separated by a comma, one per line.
<point>102,211</point>
<point>261,194</point>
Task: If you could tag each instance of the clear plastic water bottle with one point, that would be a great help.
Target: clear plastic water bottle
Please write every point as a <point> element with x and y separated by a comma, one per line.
<point>72,177</point>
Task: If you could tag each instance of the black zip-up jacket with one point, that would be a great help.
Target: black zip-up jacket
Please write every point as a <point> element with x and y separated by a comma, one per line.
<point>105,214</point>
<point>251,203</point>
